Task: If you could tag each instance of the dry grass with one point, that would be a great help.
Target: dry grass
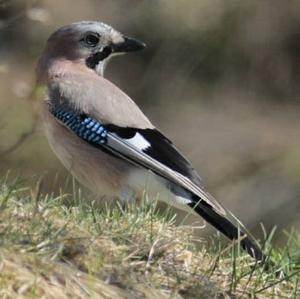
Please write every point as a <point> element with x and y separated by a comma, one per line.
<point>52,250</point>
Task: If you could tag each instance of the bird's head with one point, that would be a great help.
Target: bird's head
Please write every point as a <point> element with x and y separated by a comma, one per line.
<point>89,42</point>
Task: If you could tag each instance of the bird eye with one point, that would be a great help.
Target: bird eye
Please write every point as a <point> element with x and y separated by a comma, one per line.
<point>91,39</point>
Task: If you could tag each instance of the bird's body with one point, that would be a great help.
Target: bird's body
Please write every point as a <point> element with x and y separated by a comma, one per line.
<point>113,177</point>
<point>105,140</point>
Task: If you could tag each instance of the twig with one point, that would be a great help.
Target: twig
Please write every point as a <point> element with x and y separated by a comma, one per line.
<point>21,140</point>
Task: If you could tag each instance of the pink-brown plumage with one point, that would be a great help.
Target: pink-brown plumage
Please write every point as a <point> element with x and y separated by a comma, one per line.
<point>136,156</point>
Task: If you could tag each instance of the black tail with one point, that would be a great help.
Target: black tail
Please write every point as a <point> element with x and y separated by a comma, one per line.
<point>227,228</point>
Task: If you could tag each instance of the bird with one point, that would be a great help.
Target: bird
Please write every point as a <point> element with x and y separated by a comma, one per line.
<point>104,139</point>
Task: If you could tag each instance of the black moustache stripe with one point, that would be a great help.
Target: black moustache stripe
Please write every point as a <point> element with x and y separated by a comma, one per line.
<point>94,59</point>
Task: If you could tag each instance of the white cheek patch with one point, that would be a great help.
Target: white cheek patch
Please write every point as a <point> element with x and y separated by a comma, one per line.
<point>139,142</point>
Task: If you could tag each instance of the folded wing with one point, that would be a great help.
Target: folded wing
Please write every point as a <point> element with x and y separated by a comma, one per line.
<point>149,149</point>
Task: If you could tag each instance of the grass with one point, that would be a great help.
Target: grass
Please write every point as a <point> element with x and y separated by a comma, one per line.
<point>51,249</point>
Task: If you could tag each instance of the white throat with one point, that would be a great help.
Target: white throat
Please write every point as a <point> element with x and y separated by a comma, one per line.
<point>100,67</point>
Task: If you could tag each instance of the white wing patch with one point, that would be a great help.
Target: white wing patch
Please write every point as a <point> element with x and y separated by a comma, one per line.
<point>183,200</point>
<point>139,142</point>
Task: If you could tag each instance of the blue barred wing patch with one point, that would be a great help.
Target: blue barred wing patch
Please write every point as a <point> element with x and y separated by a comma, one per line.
<point>83,126</point>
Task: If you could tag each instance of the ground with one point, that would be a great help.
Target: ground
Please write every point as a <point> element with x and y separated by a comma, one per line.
<point>63,247</point>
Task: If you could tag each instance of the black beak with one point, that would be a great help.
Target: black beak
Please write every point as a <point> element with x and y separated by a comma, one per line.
<point>128,45</point>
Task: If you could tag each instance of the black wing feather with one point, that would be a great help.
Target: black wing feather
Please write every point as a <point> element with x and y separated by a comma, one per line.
<point>160,149</point>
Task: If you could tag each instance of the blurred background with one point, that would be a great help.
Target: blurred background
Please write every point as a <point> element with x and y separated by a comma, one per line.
<point>220,78</point>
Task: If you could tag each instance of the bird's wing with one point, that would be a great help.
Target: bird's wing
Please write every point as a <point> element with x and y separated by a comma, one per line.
<point>135,146</point>
<point>157,146</point>
<point>144,147</point>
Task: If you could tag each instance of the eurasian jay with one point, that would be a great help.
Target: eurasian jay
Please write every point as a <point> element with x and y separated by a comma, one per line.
<point>105,140</point>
